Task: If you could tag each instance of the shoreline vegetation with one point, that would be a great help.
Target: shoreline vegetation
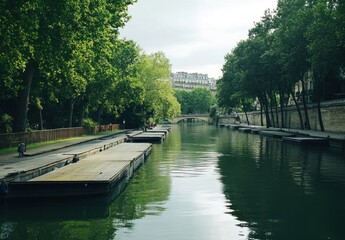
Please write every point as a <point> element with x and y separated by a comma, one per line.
<point>63,64</point>
<point>294,55</point>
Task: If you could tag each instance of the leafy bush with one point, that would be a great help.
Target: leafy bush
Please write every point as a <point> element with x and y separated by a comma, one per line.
<point>6,123</point>
<point>88,122</point>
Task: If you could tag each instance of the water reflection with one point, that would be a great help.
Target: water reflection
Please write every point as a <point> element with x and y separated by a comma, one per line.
<point>203,183</point>
<point>283,191</point>
<point>148,186</point>
<point>87,218</point>
<point>196,207</point>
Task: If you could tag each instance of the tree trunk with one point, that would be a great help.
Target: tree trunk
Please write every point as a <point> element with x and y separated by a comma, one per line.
<point>272,112</point>
<point>307,123</point>
<point>286,103</point>
<point>298,110</point>
<point>70,122</point>
<point>268,121</point>
<point>319,94</point>
<point>276,110</point>
<point>281,96</point>
<point>245,113</point>
<point>23,98</point>
<point>319,114</point>
<point>261,114</point>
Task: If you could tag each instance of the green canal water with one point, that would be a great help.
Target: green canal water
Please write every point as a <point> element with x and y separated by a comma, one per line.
<point>203,183</point>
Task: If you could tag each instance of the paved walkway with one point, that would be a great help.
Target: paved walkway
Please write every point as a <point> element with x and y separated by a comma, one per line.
<point>311,133</point>
<point>9,158</point>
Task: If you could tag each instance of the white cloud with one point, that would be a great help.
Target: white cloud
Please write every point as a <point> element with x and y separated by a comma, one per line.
<point>184,50</point>
<point>194,34</point>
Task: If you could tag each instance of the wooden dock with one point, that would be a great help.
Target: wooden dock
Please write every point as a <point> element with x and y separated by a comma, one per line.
<point>32,166</point>
<point>158,130</point>
<point>245,129</point>
<point>152,137</point>
<point>255,130</point>
<point>312,141</point>
<point>96,174</point>
<point>235,126</point>
<point>276,134</point>
<point>133,133</point>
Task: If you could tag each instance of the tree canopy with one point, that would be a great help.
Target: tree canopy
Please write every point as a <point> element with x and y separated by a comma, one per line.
<point>62,62</point>
<point>199,100</point>
<point>299,39</point>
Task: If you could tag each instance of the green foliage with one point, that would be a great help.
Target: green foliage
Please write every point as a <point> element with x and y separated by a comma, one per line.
<point>199,100</point>
<point>88,122</point>
<point>326,47</point>
<point>214,114</point>
<point>298,37</point>
<point>67,57</point>
<point>6,123</point>
<point>154,99</point>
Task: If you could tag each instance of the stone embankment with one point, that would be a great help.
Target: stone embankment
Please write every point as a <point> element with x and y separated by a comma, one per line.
<point>302,137</point>
<point>333,116</point>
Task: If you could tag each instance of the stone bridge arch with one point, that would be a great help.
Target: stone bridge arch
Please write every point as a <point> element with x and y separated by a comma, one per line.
<point>191,117</point>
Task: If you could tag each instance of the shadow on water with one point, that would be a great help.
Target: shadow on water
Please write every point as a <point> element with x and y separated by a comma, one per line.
<point>283,191</point>
<point>60,208</point>
<point>251,186</point>
<point>94,217</point>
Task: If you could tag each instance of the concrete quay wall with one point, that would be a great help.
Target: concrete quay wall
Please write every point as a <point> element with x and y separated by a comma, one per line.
<point>333,115</point>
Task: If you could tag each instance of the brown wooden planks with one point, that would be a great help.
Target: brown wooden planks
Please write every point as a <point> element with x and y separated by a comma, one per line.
<point>85,171</point>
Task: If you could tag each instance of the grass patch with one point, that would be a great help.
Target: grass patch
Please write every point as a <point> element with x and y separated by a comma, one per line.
<point>8,150</point>
<point>35,145</point>
<point>42,144</point>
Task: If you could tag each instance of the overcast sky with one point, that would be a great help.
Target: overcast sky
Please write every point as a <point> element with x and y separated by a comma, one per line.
<point>195,35</point>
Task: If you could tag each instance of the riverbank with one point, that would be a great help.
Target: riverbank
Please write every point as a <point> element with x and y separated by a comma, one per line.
<point>335,139</point>
<point>333,115</point>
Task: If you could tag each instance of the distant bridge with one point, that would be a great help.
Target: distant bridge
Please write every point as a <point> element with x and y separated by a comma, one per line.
<point>191,118</point>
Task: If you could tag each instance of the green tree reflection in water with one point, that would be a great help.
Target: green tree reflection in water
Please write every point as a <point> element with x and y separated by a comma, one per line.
<point>203,183</point>
<point>283,191</point>
<point>66,219</point>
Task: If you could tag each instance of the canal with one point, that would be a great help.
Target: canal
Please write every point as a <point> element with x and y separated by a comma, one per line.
<point>203,183</point>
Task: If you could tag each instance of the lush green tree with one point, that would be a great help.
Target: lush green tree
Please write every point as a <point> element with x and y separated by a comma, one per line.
<point>169,107</point>
<point>60,40</point>
<point>325,51</point>
<point>183,97</point>
<point>18,34</point>
<point>197,101</point>
<point>293,20</point>
<point>297,38</point>
<point>114,87</point>
<point>155,98</point>
<point>203,99</point>
<point>254,81</point>
<point>229,86</point>
<point>234,90</point>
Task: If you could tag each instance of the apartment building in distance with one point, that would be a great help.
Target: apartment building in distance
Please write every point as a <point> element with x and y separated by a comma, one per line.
<point>308,89</point>
<point>339,92</point>
<point>189,81</point>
